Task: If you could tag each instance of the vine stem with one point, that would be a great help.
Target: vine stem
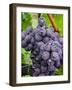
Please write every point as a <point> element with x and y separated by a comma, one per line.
<point>53,22</point>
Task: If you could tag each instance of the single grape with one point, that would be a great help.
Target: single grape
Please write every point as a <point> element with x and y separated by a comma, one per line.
<point>51,68</point>
<point>50,62</point>
<point>36,71</point>
<point>47,47</point>
<point>45,55</point>
<point>38,37</point>
<point>43,63</point>
<point>41,21</point>
<point>28,38</point>
<point>57,64</point>
<point>46,39</point>
<point>43,69</point>
<point>55,56</point>
<point>23,44</point>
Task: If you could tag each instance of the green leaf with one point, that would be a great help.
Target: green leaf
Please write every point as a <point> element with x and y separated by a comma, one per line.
<point>34,20</point>
<point>59,22</point>
<point>26,56</point>
<point>59,71</point>
<point>25,20</point>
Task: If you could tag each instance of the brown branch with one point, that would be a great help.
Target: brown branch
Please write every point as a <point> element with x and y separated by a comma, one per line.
<point>53,22</point>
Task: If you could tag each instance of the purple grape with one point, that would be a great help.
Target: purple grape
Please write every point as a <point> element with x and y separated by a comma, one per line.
<point>38,37</point>
<point>41,21</point>
<point>45,55</point>
<point>42,32</point>
<point>50,33</point>
<point>55,45</point>
<point>39,44</point>
<point>38,58</point>
<point>36,71</point>
<point>50,62</point>
<point>30,46</point>
<point>57,64</point>
<point>51,68</point>
<point>55,56</point>
<point>28,38</point>
<point>42,46</point>
<point>43,63</point>
<point>23,44</point>
<point>45,39</point>
<point>43,69</point>
<point>47,47</point>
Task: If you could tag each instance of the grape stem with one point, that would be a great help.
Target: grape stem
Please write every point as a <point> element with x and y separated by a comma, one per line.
<point>53,22</point>
<point>39,15</point>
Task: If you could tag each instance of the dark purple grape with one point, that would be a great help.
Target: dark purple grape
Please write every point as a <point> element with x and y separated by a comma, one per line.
<point>45,55</point>
<point>42,32</point>
<point>39,44</point>
<point>41,21</point>
<point>55,46</point>
<point>57,64</point>
<point>23,44</point>
<point>43,63</point>
<point>30,46</point>
<point>38,57</point>
<point>28,38</point>
<point>36,71</point>
<point>38,37</point>
<point>50,62</point>
<point>51,68</point>
<point>42,47</point>
<point>43,69</point>
<point>50,33</point>
<point>46,39</point>
<point>55,56</point>
<point>47,47</point>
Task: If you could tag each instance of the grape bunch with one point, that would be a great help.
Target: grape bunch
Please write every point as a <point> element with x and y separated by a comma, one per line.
<point>46,48</point>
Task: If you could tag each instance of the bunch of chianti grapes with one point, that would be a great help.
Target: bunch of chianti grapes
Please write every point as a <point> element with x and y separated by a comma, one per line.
<point>46,48</point>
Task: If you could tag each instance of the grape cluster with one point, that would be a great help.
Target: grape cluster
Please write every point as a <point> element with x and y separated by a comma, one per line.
<point>46,48</point>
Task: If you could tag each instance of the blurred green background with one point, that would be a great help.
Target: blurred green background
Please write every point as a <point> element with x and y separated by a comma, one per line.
<point>31,19</point>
